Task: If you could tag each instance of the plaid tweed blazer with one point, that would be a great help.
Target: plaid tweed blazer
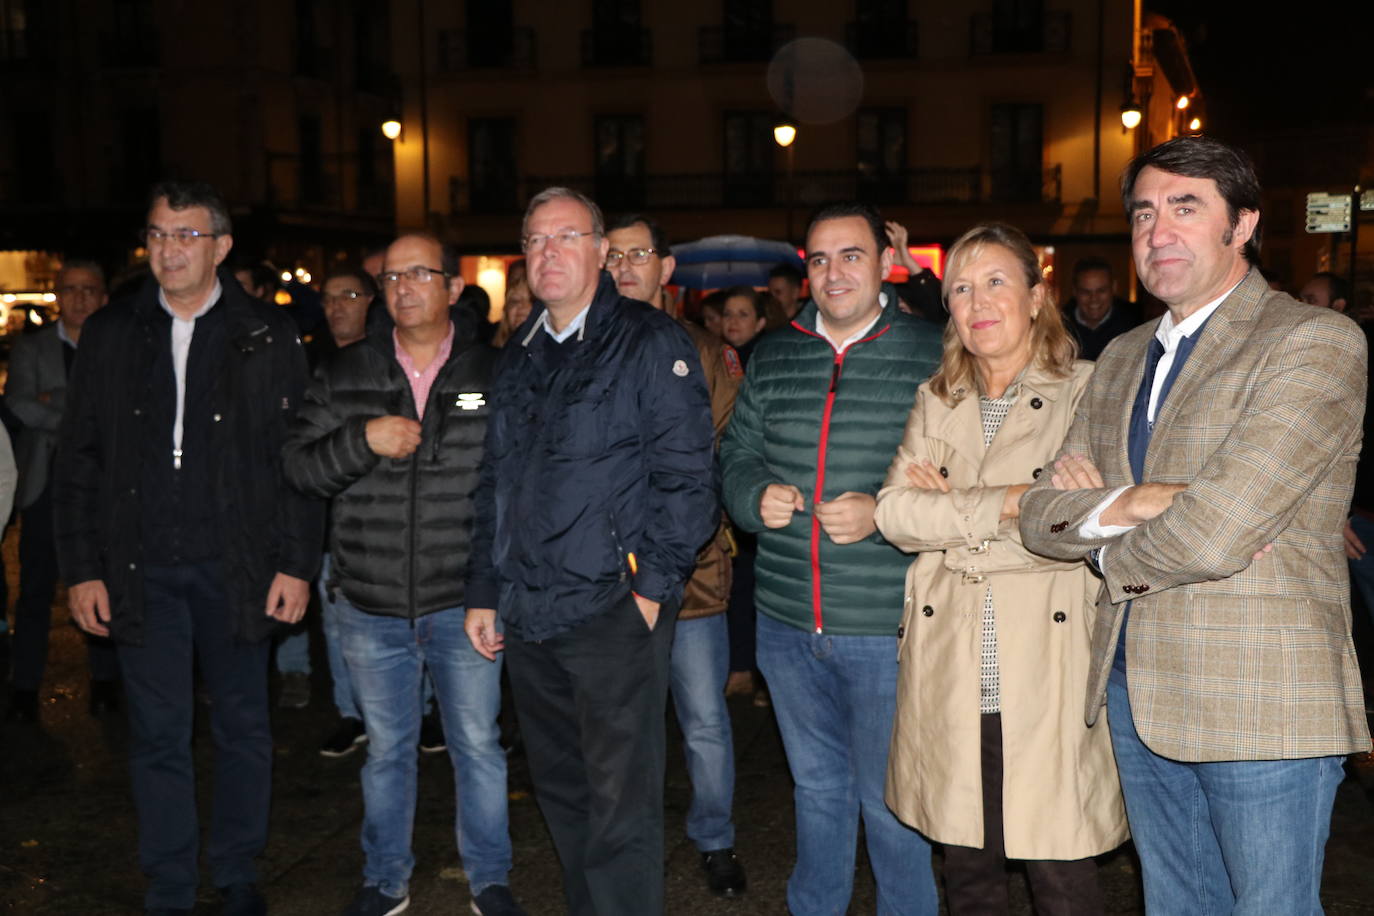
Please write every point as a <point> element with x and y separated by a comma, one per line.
<point>1229,658</point>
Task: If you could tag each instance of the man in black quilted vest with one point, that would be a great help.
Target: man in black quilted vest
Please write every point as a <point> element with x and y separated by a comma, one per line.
<point>391,432</point>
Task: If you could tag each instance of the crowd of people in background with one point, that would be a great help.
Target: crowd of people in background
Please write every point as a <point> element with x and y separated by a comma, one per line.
<point>1017,579</point>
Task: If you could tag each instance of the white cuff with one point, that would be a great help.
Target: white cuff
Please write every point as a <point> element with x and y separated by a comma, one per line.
<point>1093,528</point>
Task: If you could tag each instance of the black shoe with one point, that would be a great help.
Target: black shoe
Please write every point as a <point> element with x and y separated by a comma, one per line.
<point>295,690</point>
<point>370,901</point>
<point>23,706</point>
<point>432,734</point>
<point>347,738</point>
<point>724,874</point>
<point>243,900</point>
<point>496,900</point>
<point>104,697</point>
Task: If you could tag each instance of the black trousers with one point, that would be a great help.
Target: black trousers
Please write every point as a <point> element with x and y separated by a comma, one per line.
<point>976,879</point>
<point>591,704</point>
<point>186,608</point>
<point>33,608</point>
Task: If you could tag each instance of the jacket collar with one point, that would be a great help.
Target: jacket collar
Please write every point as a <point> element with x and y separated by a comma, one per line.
<point>887,296</point>
<point>604,304</point>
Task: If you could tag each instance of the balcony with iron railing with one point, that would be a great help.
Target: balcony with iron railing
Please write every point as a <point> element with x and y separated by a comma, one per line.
<point>897,40</point>
<point>623,46</point>
<point>727,45</point>
<point>1049,35</point>
<point>718,190</point>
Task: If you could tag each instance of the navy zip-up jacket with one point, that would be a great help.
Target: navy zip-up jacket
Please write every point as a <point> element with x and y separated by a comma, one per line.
<point>599,474</point>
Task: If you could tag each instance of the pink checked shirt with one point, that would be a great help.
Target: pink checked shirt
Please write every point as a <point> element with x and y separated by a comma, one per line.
<point>421,382</point>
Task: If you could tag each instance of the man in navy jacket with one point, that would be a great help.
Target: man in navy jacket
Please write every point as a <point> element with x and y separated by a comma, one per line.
<point>598,488</point>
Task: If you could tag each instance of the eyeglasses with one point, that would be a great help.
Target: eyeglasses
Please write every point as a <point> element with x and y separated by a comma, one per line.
<point>636,256</point>
<point>564,239</point>
<point>351,295</point>
<point>182,237</point>
<point>419,275</point>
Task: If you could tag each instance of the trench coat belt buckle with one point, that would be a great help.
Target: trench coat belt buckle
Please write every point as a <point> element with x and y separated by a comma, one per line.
<point>981,548</point>
<point>973,577</point>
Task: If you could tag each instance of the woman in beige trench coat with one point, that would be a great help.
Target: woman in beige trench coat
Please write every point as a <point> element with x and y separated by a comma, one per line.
<point>990,754</point>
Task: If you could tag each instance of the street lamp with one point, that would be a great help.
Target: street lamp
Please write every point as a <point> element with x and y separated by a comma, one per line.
<point>1130,115</point>
<point>784,134</point>
<point>391,128</point>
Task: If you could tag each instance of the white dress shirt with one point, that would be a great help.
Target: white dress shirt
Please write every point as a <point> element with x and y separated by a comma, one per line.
<point>182,331</point>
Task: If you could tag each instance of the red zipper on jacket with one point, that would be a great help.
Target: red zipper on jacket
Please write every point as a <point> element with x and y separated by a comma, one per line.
<point>821,454</point>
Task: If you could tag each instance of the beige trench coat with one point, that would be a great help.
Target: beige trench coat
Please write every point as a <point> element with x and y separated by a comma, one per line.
<point>1061,798</point>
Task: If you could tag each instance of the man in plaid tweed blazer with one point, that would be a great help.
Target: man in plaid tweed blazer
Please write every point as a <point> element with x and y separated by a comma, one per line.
<point>1207,476</point>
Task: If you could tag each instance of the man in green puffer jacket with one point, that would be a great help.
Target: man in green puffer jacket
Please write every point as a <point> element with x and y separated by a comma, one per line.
<point>816,425</point>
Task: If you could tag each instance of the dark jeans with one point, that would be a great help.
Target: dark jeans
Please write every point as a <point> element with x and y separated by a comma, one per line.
<point>186,607</point>
<point>592,710</point>
<point>976,879</point>
<point>33,608</point>
<point>741,613</point>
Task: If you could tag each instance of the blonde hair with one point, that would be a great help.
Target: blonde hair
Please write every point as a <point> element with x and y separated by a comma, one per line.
<point>1052,346</point>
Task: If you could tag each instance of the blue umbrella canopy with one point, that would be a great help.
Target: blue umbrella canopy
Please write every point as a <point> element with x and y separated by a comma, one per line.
<point>730,260</point>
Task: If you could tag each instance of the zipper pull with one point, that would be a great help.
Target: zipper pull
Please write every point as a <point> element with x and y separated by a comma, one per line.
<point>176,459</point>
<point>835,377</point>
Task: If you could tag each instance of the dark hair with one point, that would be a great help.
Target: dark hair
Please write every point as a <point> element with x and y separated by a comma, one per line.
<point>714,300</point>
<point>556,193</point>
<point>1091,263</point>
<point>866,212</point>
<point>82,264</point>
<point>260,273</point>
<point>1337,287</point>
<point>1203,157</point>
<point>788,272</point>
<point>448,254</point>
<point>181,195</point>
<point>356,273</point>
<point>657,236</point>
<point>745,292</point>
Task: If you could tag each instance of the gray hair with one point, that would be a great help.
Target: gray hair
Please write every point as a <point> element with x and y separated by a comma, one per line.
<point>556,193</point>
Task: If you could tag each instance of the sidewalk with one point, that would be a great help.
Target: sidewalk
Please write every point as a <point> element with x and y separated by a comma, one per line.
<point>67,842</point>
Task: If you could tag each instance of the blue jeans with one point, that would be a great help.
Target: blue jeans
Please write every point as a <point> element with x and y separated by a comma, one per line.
<point>1242,837</point>
<point>700,664</point>
<point>835,697</point>
<point>386,658</point>
<point>329,623</point>
<point>1362,570</point>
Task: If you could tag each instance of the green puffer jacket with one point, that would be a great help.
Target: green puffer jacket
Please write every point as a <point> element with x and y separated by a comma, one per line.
<point>826,423</point>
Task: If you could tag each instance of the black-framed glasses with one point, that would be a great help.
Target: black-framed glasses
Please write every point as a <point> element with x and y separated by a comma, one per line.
<point>413,274</point>
<point>565,239</point>
<point>635,256</point>
<point>182,237</point>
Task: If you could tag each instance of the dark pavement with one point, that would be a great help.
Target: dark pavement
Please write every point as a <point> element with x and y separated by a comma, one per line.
<point>68,842</point>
